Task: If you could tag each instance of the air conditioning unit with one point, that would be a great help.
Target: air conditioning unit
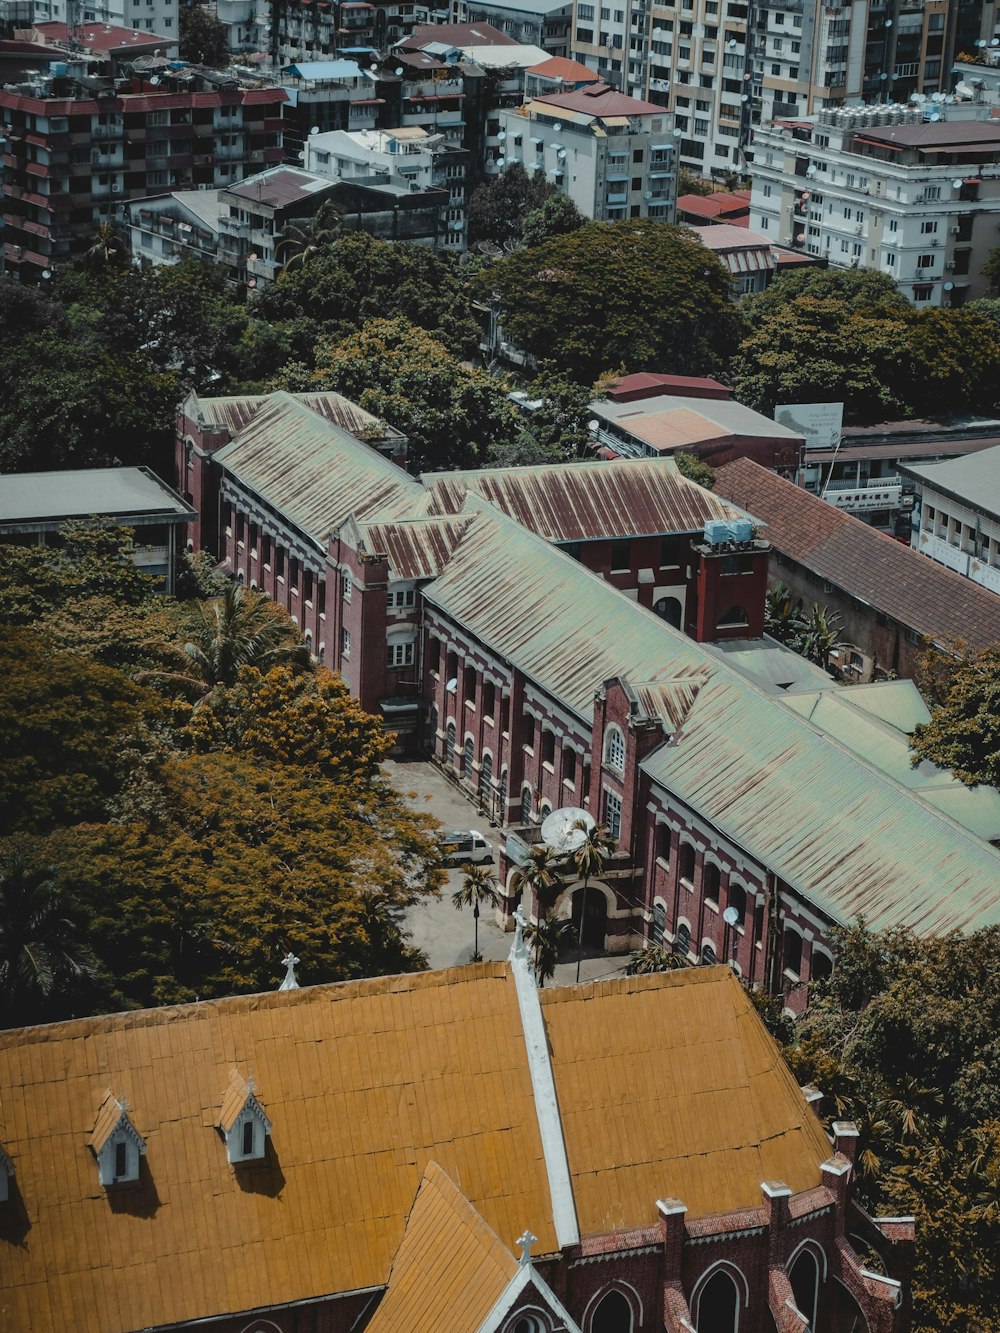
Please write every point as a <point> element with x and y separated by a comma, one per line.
<point>950,264</point>
<point>116,188</point>
<point>956,231</point>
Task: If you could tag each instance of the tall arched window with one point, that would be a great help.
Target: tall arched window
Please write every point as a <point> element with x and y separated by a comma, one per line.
<point>502,797</point>
<point>614,749</point>
<point>670,610</point>
<point>791,952</point>
<point>449,742</point>
<point>485,776</point>
<point>525,805</point>
<point>738,899</point>
<point>687,862</point>
<point>710,881</point>
<point>708,954</point>
<point>821,965</point>
<point>718,1305</point>
<point>659,922</point>
<point>804,1276</point>
<point>467,757</point>
<point>612,1314</point>
<point>682,940</point>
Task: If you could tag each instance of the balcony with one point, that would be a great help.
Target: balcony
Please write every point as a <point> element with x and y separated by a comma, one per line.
<point>233,227</point>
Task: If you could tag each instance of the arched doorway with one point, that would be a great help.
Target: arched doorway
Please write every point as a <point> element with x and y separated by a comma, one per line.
<point>718,1305</point>
<point>595,917</point>
<point>612,1315</point>
<point>804,1276</point>
<point>670,610</point>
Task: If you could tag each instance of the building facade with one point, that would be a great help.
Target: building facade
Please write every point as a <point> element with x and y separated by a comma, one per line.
<point>79,147</point>
<point>591,636</point>
<point>614,156</point>
<point>544,23</point>
<point>889,189</point>
<point>956,518</point>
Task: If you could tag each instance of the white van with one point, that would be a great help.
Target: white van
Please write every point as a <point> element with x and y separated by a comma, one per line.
<point>461,846</point>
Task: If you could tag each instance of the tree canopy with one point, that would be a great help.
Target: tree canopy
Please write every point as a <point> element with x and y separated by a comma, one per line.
<point>963,733</point>
<point>641,294</point>
<point>902,1039</point>
<point>499,206</point>
<point>204,38</point>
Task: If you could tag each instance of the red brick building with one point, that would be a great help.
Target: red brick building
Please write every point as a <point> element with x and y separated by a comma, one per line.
<point>451,1151</point>
<point>523,628</point>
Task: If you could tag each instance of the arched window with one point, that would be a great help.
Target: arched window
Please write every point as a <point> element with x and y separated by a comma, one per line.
<point>449,742</point>
<point>791,952</point>
<point>708,954</point>
<point>614,750</point>
<point>544,809</point>
<point>659,922</point>
<point>663,839</point>
<point>682,940</point>
<point>525,805</point>
<point>529,1323</point>
<point>669,609</point>
<point>687,862</point>
<point>502,796</point>
<point>733,616</point>
<point>738,899</point>
<point>468,755</point>
<point>710,881</point>
<point>485,776</point>
<point>804,1276</point>
<point>718,1305</point>
<point>612,1314</point>
<point>821,965</point>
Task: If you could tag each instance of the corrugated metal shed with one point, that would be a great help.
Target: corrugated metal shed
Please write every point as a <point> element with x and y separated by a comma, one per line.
<point>312,471</point>
<point>586,501</point>
<point>846,836</point>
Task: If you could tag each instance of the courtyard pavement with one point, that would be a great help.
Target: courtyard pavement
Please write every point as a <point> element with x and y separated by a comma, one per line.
<point>434,925</point>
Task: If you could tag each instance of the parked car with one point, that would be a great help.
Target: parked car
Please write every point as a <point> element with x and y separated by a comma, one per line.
<point>461,846</point>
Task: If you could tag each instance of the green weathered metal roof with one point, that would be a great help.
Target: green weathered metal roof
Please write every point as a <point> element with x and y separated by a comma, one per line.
<point>313,472</point>
<point>846,836</point>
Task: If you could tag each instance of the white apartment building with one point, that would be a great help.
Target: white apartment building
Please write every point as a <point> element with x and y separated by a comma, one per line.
<point>544,23</point>
<point>157,16</point>
<point>408,155</point>
<point>886,188</point>
<point>613,155</point>
<point>956,519</point>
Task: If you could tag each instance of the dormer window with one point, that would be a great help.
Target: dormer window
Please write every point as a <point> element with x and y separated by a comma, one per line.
<point>117,1144</point>
<point>6,1176</point>
<point>242,1122</point>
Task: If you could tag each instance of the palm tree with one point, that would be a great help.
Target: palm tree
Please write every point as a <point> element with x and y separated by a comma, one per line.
<point>479,886</point>
<point>302,242</point>
<point>241,628</point>
<point>545,936</point>
<point>588,859</point>
<point>653,958</point>
<point>539,873</point>
<point>40,947</point>
<point>820,634</point>
<point>783,618</point>
<point>107,247</point>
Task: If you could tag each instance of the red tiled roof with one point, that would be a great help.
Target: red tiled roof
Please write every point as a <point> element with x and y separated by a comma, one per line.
<point>102,37</point>
<point>714,205</point>
<point>457,34</point>
<point>647,385</point>
<point>600,100</point>
<point>570,71</point>
<point>867,564</point>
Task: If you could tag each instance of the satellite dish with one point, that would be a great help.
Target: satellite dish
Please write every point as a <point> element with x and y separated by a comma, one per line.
<point>956,185</point>
<point>648,194</point>
<point>452,686</point>
<point>731,916</point>
<point>949,286</point>
<point>314,130</point>
<point>557,126</point>
<point>995,41</point>
<point>981,42</point>
<point>935,115</point>
<point>155,80</point>
<point>398,70</point>
<point>919,98</point>
<point>888,23</point>
<point>883,76</point>
<point>373,68</point>
<point>501,161</point>
<point>566,830</point>
<point>678,134</point>
<point>745,97</point>
<point>733,43</point>
<point>46,273</point>
<point>811,171</point>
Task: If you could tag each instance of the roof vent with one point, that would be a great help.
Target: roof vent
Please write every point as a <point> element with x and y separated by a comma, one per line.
<point>242,1122</point>
<point>116,1143</point>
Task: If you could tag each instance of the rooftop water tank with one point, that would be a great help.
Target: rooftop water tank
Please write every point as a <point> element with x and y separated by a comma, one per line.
<point>716,532</point>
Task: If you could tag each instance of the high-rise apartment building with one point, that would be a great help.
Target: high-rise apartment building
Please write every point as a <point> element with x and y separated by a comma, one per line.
<point>725,66</point>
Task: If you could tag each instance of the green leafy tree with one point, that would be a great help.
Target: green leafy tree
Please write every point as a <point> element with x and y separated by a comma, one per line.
<point>302,242</point>
<point>820,635</point>
<point>204,38</point>
<point>963,733</point>
<point>43,956</point>
<point>108,247</point>
<point>641,294</point>
<point>557,216</point>
<point>359,279</point>
<point>538,874</point>
<point>478,888</point>
<point>398,372</point>
<point>554,428</point>
<point>694,469</point>
<point>653,958</point>
<point>499,207</point>
<point>783,618</point>
<point>63,721</point>
<point>689,182</point>
<point>991,271</point>
<point>902,1039</point>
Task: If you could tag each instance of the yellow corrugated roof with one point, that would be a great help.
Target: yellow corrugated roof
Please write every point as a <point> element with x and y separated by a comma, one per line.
<point>107,1121</point>
<point>670,1087</point>
<point>233,1101</point>
<point>365,1083</point>
<point>450,1268</point>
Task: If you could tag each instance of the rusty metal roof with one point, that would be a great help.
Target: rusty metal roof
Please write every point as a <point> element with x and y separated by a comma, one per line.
<point>705,1107</point>
<point>365,1082</point>
<point>567,502</point>
<point>417,548</point>
<point>450,1269</point>
<point>236,412</point>
<point>870,566</point>
<point>312,471</point>
<point>847,836</point>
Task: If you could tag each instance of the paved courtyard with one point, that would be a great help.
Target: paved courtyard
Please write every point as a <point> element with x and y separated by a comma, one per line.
<point>434,925</point>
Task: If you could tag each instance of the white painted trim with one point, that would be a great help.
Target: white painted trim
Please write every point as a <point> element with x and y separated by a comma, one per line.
<point>811,1246</point>
<point>880,1277</point>
<point>694,1304</point>
<point>627,1291</point>
<point>546,1102</point>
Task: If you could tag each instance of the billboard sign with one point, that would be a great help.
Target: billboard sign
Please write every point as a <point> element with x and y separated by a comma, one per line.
<point>820,423</point>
